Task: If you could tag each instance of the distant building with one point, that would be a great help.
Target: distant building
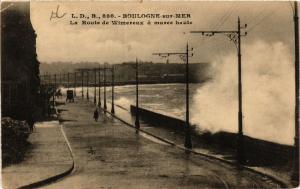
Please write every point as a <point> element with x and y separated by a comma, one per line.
<point>19,64</point>
<point>173,77</point>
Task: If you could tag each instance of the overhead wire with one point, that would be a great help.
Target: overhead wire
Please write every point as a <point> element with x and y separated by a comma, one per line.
<point>225,17</point>
<point>292,7</point>
<point>261,20</point>
<point>252,19</point>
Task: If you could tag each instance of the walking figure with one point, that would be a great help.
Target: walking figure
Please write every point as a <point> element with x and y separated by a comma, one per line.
<point>30,122</point>
<point>96,114</point>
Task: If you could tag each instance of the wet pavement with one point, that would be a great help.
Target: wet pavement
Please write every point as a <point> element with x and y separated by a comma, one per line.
<point>48,155</point>
<point>108,154</point>
<point>279,172</point>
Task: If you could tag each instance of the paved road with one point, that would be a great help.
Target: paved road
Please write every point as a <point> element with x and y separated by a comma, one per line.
<point>108,154</point>
<point>47,156</point>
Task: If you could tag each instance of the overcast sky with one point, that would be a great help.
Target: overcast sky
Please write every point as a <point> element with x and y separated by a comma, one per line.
<point>57,40</point>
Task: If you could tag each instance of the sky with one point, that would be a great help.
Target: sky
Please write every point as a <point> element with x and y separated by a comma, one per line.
<point>57,40</point>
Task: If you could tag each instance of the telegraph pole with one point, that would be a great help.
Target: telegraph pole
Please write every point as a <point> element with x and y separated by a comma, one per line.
<point>95,81</point>
<point>235,37</point>
<point>137,117</point>
<point>295,175</point>
<point>60,79</point>
<point>112,89</point>
<point>104,84</point>
<point>87,84</point>
<point>184,56</point>
<point>82,75</point>
<point>68,79</point>
<point>99,87</point>
<point>75,83</point>
<point>188,140</point>
<point>54,87</point>
<point>53,97</point>
<point>55,81</point>
<point>240,113</point>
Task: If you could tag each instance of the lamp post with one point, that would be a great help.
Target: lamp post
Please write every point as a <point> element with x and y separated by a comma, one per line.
<point>184,56</point>
<point>235,37</point>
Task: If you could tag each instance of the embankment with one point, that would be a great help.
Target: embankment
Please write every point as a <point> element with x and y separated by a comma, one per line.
<point>257,152</point>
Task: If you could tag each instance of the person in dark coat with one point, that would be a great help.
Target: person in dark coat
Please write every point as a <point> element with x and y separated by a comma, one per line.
<point>30,121</point>
<point>96,114</point>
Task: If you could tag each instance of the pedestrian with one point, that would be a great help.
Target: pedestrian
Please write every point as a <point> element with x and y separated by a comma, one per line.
<point>96,114</point>
<point>30,121</point>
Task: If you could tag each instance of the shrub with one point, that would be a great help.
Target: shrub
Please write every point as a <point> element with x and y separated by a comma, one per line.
<point>14,138</point>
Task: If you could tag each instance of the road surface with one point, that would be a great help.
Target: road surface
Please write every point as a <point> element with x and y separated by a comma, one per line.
<point>108,154</point>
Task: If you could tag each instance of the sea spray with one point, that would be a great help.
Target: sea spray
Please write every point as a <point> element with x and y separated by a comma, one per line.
<point>124,102</point>
<point>268,94</point>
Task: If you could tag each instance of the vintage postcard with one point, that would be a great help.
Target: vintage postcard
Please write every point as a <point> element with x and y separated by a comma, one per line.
<point>149,94</point>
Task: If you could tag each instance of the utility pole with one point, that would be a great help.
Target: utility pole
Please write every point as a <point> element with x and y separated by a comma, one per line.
<point>95,81</point>
<point>82,76</point>
<point>295,175</point>
<point>87,85</point>
<point>55,83</point>
<point>60,79</point>
<point>55,86</point>
<point>112,89</point>
<point>99,87</point>
<point>68,79</point>
<point>137,117</point>
<point>184,56</point>
<point>235,37</point>
<point>104,84</point>
<point>75,83</point>
<point>188,140</point>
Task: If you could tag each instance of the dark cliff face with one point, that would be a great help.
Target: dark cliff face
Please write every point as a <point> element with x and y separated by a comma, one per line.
<point>19,64</point>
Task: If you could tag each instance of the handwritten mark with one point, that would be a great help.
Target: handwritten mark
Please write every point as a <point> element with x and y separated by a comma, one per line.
<point>56,14</point>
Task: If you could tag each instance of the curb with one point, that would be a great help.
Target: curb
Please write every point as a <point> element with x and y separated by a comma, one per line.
<point>55,177</point>
<point>281,183</point>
